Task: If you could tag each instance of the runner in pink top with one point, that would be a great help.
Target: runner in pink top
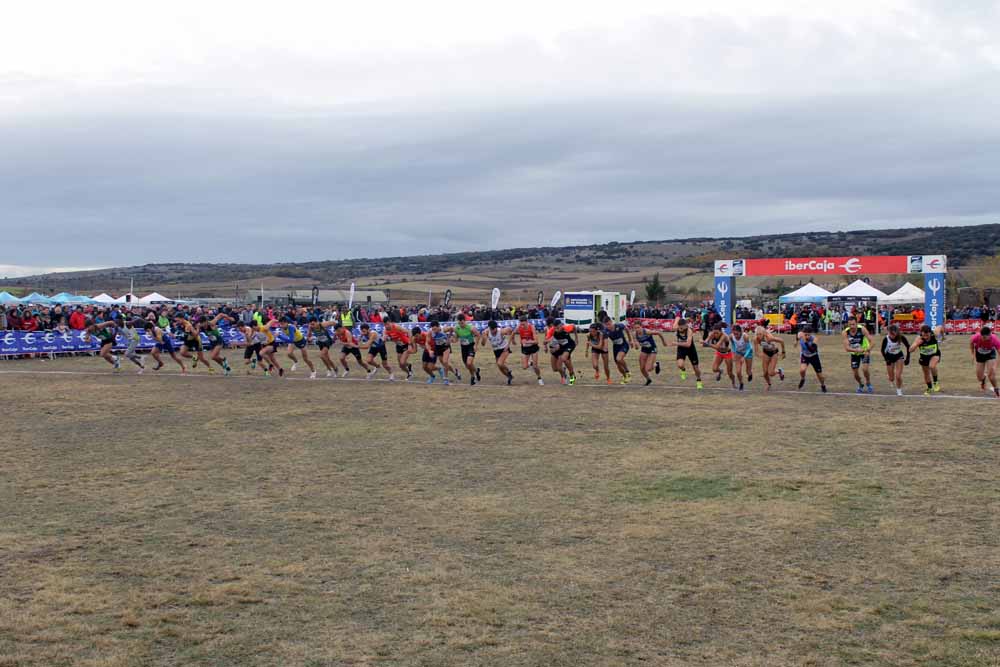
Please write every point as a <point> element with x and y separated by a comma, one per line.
<point>984,346</point>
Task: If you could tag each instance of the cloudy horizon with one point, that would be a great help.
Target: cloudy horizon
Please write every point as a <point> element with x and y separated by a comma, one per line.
<point>239,132</point>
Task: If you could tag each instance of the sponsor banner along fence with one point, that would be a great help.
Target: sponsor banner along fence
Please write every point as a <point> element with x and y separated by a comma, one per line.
<point>16,343</point>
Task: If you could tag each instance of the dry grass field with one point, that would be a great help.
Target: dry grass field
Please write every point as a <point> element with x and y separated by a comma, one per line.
<point>166,520</point>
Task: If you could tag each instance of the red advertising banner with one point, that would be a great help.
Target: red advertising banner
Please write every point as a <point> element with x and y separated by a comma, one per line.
<point>809,266</point>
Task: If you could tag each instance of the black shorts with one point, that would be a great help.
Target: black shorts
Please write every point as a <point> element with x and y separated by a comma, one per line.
<point>768,352</point>
<point>324,343</point>
<point>594,350</point>
<point>468,351</point>
<point>690,352</point>
<point>401,348</point>
<point>428,358</point>
<point>439,350</point>
<point>616,349</point>
<point>812,361</point>
<point>890,359</point>
<point>925,359</point>
<point>351,351</point>
<point>193,344</point>
<point>378,351</point>
<point>274,345</point>
<point>166,346</point>
<point>528,350</point>
<point>500,353</point>
<point>647,350</point>
<point>858,359</point>
<point>983,358</point>
<point>253,348</point>
<point>300,344</point>
<point>213,343</point>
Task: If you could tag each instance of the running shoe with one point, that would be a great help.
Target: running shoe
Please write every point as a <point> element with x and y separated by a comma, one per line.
<point>472,380</point>
<point>510,378</point>
<point>344,374</point>
<point>140,371</point>
<point>329,374</point>
<point>597,376</point>
<point>562,380</point>
<point>899,392</point>
<point>802,383</point>
<point>927,392</point>
<point>982,384</point>
<point>657,368</point>
<point>211,371</point>
<point>718,376</point>
<point>623,381</point>
<point>312,376</point>
<point>158,366</point>
<point>479,377</point>
<point>749,377</point>
<point>610,382</point>
<point>936,388</point>
<point>295,365</point>
<point>409,374</point>
<point>996,392</point>
<point>253,364</point>
<point>371,373</point>
<point>541,382</point>
<point>822,388</point>
<point>684,375</point>
<point>118,363</point>
<point>572,379</point>
<point>871,389</point>
<point>781,375</point>
<point>859,390</point>
<point>392,378</point>
<point>430,380</point>
<point>648,382</point>
<point>281,372</point>
<point>227,371</point>
<point>446,381</point>
<point>741,386</point>
<point>699,385</point>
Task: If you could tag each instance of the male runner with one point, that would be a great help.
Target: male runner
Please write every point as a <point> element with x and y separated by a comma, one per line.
<point>809,356</point>
<point>984,346</point>
<point>896,352</point>
<point>686,350</point>
<point>529,337</point>
<point>929,357</point>
<point>499,339</point>
<point>467,337</point>
<point>858,342</point>
<point>372,341</point>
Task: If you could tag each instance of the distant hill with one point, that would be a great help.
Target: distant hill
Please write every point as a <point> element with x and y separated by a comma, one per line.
<point>682,264</point>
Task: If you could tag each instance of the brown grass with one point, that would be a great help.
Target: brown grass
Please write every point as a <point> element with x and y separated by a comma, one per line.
<point>206,521</point>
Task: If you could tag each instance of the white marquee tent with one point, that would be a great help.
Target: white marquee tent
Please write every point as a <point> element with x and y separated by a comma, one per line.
<point>104,298</point>
<point>155,297</point>
<point>859,289</point>
<point>908,293</point>
<point>808,293</point>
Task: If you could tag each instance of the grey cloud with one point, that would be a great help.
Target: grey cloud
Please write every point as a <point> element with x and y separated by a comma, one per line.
<point>116,189</point>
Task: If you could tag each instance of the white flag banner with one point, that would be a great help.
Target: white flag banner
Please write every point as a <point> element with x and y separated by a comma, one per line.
<point>555,299</point>
<point>350,298</point>
<point>496,298</point>
<point>631,298</point>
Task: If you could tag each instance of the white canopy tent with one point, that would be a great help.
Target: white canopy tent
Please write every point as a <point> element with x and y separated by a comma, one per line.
<point>104,298</point>
<point>907,294</point>
<point>153,298</point>
<point>808,293</point>
<point>860,290</point>
<point>126,298</point>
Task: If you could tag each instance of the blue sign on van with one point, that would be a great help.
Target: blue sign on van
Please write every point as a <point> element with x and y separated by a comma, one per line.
<point>579,300</point>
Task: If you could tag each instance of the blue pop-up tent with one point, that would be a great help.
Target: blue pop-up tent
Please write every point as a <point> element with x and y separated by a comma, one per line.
<point>8,299</point>
<point>38,299</point>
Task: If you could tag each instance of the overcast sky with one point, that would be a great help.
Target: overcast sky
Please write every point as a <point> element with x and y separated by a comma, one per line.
<point>263,131</point>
